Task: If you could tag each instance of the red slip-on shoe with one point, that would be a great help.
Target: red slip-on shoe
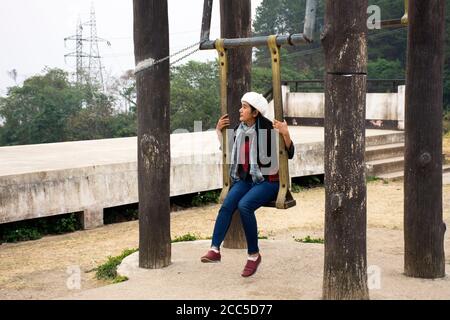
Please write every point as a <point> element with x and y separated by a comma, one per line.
<point>211,256</point>
<point>251,267</point>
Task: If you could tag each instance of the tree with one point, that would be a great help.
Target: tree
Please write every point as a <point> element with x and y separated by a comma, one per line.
<point>95,121</point>
<point>38,111</point>
<point>194,95</point>
<point>283,17</point>
<point>385,69</point>
<point>49,108</point>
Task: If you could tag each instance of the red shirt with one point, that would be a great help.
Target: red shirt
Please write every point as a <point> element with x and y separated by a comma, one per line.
<point>244,161</point>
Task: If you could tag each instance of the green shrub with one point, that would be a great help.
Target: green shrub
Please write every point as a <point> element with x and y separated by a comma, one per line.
<point>65,225</point>
<point>108,270</point>
<point>186,237</point>
<point>21,234</point>
<point>37,228</point>
<point>372,178</point>
<point>296,188</point>
<point>308,239</point>
<point>207,197</point>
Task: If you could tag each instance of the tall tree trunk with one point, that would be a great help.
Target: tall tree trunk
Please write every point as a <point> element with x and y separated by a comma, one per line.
<point>235,16</point>
<point>344,41</point>
<point>423,224</point>
<point>151,41</point>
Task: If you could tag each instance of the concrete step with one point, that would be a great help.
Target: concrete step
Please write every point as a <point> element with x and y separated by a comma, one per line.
<point>382,166</point>
<point>390,138</point>
<point>385,151</point>
<point>398,175</point>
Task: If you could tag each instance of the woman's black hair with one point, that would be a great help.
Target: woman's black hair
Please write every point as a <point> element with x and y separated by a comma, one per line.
<point>254,109</point>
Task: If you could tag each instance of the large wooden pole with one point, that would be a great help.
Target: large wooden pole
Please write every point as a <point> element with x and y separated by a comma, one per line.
<point>344,41</point>
<point>235,17</point>
<point>423,224</point>
<point>151,41</point>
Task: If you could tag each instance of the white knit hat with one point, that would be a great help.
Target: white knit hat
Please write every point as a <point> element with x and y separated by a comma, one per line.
<point>257,101</point>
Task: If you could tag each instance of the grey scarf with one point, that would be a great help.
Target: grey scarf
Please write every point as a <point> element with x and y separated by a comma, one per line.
<point>242,132</point>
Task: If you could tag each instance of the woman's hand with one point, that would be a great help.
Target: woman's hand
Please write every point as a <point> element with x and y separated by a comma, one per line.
<point>223,122</point>
<point>282,127</point>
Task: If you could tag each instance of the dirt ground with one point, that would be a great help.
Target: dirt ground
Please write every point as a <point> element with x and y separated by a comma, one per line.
<point>39,269</point>
<point>446,146</point>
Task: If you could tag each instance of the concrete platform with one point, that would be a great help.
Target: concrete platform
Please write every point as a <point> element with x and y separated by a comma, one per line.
<point>289,270</point>
<point>88,176</point>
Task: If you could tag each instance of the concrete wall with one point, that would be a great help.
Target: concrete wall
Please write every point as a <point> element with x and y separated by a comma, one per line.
<point>379,106</point>
<point>92,188</point>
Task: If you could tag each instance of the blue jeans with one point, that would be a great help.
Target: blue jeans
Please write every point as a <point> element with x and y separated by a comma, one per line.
<point>247,197</point>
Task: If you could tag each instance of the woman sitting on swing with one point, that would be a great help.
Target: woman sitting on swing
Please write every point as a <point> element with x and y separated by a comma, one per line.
<point>254,174</point>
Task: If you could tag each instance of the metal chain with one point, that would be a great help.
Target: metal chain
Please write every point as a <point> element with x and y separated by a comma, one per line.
<point>151,63</point>
<point>185,56</point>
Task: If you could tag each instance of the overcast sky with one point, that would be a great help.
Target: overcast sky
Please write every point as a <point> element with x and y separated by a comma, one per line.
<point>33,32</point>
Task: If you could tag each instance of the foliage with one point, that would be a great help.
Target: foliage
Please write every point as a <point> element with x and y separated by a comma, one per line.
<point>262,237</point>
<point>21,234</point>
<point>194,95</point>
<point>206,197</point>
<point>308,239</point>
<point>108,270</point>
<point>37,228</point>
<point>49,108</point>
<point>38,111</point>
<point>284,17</point>
<point>386,48</point>
<point>296,188</point>
<point>372,178</point>
<point>186,237</point>
<point>385,69</point>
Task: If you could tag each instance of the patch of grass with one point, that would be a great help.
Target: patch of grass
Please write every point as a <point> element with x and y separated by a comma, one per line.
<point>108,270</point>
<point>119,279</point>
<point>187,237</point>
<point>296,188</point>
<point>262,236</point>
<point>372,178</point>
<point>308,239</point>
